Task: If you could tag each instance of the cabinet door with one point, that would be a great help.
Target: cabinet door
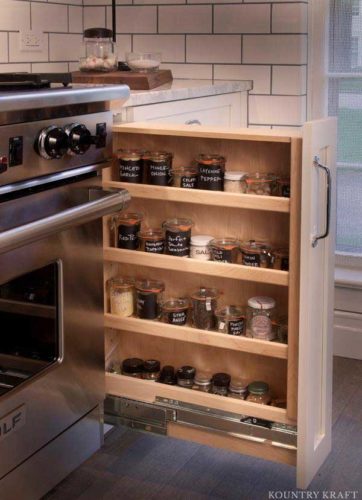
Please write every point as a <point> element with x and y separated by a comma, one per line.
<point>316,300</point>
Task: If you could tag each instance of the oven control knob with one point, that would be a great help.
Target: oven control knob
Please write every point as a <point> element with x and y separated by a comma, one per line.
<point>80,138</point>
<point>52,142</point>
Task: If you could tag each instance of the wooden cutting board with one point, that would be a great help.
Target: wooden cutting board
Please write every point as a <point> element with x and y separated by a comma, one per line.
<point>135,81</point>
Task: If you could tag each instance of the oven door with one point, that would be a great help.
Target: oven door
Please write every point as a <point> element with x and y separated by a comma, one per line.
<point>51,313</point>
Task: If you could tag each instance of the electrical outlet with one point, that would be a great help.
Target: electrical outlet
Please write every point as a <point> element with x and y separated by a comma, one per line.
<point>31,41</point>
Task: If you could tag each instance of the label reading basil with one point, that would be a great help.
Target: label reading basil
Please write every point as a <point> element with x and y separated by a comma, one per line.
<point>286,191</point>
<point>153,246</point>
<point>236,327</point>
<point>177,317</point>
<point>189,182</point>
<point>147,305</point>
<point>222,255</point>
<point>178,243</point>
<point>130,170</point>
<point>211,178</point>
<point>159,174</point>
<point>127,236</point>
<point>284,266</point>
<point>251,259</point>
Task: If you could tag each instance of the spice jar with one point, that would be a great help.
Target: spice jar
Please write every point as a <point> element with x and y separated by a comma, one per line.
<point>174,311</point>
<point>202,381</point>
<point>130,165</point>
<point>259,393</point>
<point>283,187</point>
<point>178,236</point>
<point>121,296</point>
<point>220,384</point>
<point>126,227</point>
<point>149,298</point>
<point>224,250</point>
<point>260,314</point>
<point>132,367</point>
<point>230,320</point>
<point>199,247</point>
<point>281,259</point>
<point>185,376</point>
<point>232,182</point>
<point>204,304</point>
<point>167,375</point>
<point>100,51</point>
<point>211,172</point>
<point>256,254</point>
<point>152,240</point>
<point>185,177</point>
<point>259,183</point>
<point>151,369</point>
<point>159,168</point>
<point>281,327</point>
<point>238,388</point>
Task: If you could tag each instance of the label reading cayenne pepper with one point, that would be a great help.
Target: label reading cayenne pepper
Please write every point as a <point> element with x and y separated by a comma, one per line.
<point>211,178</point>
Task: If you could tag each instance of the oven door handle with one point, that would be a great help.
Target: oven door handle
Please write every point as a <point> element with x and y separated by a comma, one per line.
<point>102,202</point>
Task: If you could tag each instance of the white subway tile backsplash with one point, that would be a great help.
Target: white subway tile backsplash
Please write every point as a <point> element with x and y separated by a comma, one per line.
<point>8,68</point>
<point>277,110</point>
<point>48,67</point>
<point>75,19</point>
<point>14,16</point>
<point>194,71</point>
<point>289,80</point>
<point>124,44</point>
<point>185,19</point>
<point>275,49</point>
<point>172,47</point>
<point>135,19</point>
<point>94,17</point>
<point>289,18</point>
<point>159,2</point>
<point>102,2</point>
<point>49,17</point>
<point>3,47</point>
<point>65,47</point>
<point>213,48</point>
<point>261,75</point>
<point>16,55</point>
<point>242,18</point>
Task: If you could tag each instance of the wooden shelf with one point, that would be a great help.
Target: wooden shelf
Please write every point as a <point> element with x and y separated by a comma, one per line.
<point>203,197</point>
<point>208,268</point>
<point>145,390</point>
<point>196,336</point>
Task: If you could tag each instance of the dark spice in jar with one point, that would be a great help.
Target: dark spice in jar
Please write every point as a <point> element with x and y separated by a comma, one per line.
<point>132,367</point>
<point>224,250</point>
<point>159,165</point>
<point>175,311</point>
<point>130,165</point>
<point>256,254</point>
<point>185,376</point>
<point>281,259</point>
<point>151,369</point>
<point>167,375</point>
<point>149,298</point>
<point>211,172</point>
<point>185,177</point>
<point>283,187</point>
<point>152,241</point>
<point>178,236</point>
<point>126,228</point>
<point>204,304</point>
<point>220,384</point>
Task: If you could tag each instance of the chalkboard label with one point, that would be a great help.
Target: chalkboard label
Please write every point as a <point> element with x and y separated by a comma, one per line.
<point>127,236</point>
<point>155,246</point>
<point>189,182</point>
<point>211,178</point>
<point>159,173</point>
<point>147,305</point>
<point>130,171</point>
<point>251,259</point>
<point>236,327</point>
<point>178,243</point>
<point>222,255</point>
<point>177,317</point>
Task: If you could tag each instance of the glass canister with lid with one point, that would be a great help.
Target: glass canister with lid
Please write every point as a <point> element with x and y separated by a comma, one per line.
<point>204,304</point>
<point>152,240</point>
<point>100,51</point>
<point>149,294</point>
<point>256,253</point>
<point>151,369</point>
<point>259,393</point>
<point>202,381</point>
<point>121,296</point>
<point>185,376</point>
<point>132,367</point>
<point>159,164</point>
<point>211,172</point>
<point>130,165</point>
<point>177,236</point>
<point>261,313</point>
<point>259,183</point>
<point>220,384</point>
<point>184,177</point>
<point>230,320</point>
<point>238,388</point>
<point>175,311</point>
<point>232,182</point>
<point>126,227</point>
<point>225,250</point>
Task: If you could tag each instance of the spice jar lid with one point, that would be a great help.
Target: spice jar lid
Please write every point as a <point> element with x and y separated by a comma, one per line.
<point>152,234</point>
<point>205,293</point>
<point>226,243</point>
<point>186,372</point>
<point>203,378</point>
<point>234,176</point>
<point>132,365</point>
<point>211,159</point>
<point>150,286</point>
<point>230,312</point>
<point>119,282</point>
<point>258,388</point>
<point>151,366</point>
<point>178,224</point>
<point>167,375</point>
<point>238,385</point>
<point>201,240</point>
<point>221,379</point>
<point>260,177</point>
<point>98,33</point>
<point>261,302</point>
<point>130,217</point>
<point>184,170</point>
<point>129,153</point>
<point>175,305</point>
<point>253,245</point>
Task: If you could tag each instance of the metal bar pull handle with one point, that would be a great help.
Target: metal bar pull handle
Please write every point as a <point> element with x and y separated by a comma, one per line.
<point>316,238</point>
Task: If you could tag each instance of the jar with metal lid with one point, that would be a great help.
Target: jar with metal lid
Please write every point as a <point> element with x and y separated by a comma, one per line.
<point>204,305</point>
<point>283,187</point>
<point>259,393</point>
<point>185,376</point>
<point>211,169</point>
<point>225,250</point>
<point>121,296</point>
<point>230,320</point>
<point>152,240</point>
<point>126,227</point>
<point>238,388</point>
<point>100,51</point>
<point>177,236</point>
<point>132,367</point>
<point>159,168</point>
<point>149,294</point>
<point>167,375</point>
<point>281,259</point>
<point>260,316</point>
<point>199,247</point>
<point>256,254</point>
<point>151,369</point>
<point>220,384</point>
<point>184,177</point>
<point>232,182</point>
<point>202,381</point>
<point>259,183</point>
<point>130,165</point>
<point>175,311</point>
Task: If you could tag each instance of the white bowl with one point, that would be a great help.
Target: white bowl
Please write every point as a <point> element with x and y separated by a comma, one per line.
<point>143,62</point>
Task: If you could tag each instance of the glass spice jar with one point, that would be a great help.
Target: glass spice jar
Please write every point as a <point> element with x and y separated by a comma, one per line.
<point>126,227</point>
<point>220,384</point>
<point>230,320</point>
<point>202,381</point>
<point>211,170</point>
<point>199,247</point>
<point>184,177</point>
<point>159,165</point>
<point>185,376</point>
<point>204,305</point>
<point>121,296</point>
<point>232,182</point>
<point>238,388</point>
<point>281,259</point>
<point>132,367</point>
<point>177,236</point>
<point>149,298</point>
<point>259,393</point>
<point>151,370</point>
<point>224,250</point>
<point>282,329</point>
<point>260,316</point>
<point>259,183</point>
<point>174,311</point>
<point>283,187</point>
<point>167,375</point>
<point>152,241</point>
<point>256,254</point>
<point>100,51</point>
<point>130,165</point>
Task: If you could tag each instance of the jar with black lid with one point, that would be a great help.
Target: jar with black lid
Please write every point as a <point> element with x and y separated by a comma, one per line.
<point>167,375</point>
<point>132,367</point>
<point>220,384</point>
<point>185,376</point>
<point>151,369</point>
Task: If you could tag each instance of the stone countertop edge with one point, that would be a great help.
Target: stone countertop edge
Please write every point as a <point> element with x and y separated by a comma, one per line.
<point>180,89</point>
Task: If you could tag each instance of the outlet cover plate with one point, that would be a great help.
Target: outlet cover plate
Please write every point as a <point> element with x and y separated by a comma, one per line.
<point>31,41</point>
